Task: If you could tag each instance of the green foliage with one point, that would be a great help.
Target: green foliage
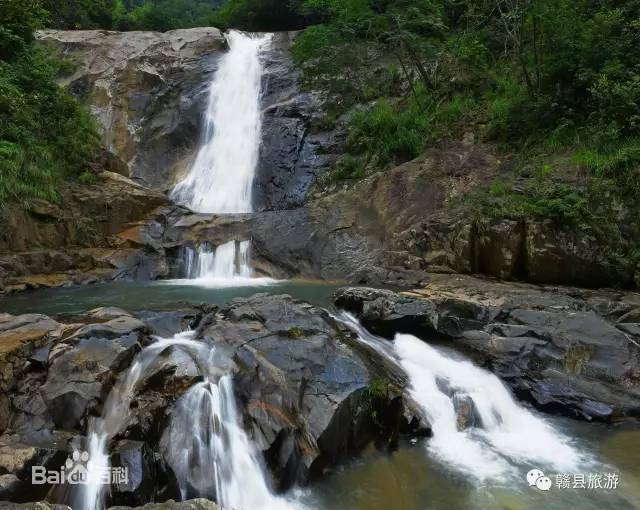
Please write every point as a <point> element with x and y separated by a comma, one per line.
<point>159,15</point>
<point>620,163</point>
<point>18,19</point>
<point>74,14</point>
<point>388,133</point>
<point>379,388</point>
<point>45,135</point>
<point>295,332</point>
<point>87,177</point>
<point>544,196</point>
<point>552,74</point>
<point>263,15</point>
<point>392,133</point>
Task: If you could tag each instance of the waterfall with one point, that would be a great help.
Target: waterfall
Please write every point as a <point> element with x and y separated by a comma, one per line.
<point>229,260</point>
<point>505,435</point>
<point>209,451</point>
<point>221,177</point>
<point>226,265</point>
<point>211,454</point>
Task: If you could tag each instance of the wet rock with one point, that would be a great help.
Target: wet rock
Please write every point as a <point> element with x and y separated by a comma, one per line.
<point>466,413</point>
<point>173,373</point>
<point>295,150</point>
<point>167,323</point>
<point>550,345</point>
<point>192,504</point>
<point>106,313</point>
<point>139,484</point>
<point>307,394</point>
<point>83,367</point>
<point>18,456</point>
<point>20,337</point>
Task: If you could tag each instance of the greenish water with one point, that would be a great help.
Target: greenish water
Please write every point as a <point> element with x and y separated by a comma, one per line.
<point>409,479</point>
<point>133,296</point>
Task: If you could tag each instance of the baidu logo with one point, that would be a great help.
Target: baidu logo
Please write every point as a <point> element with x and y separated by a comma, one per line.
<point>76,471</point>
<point>536,478</point>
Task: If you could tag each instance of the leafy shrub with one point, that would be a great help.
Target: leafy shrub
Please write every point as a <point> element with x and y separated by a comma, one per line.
<point>620,163</point>
<point>543,198</point>
<point>45,135</point>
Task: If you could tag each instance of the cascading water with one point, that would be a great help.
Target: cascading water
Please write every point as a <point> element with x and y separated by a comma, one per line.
<point>226,265</point>
<point>220,180</point>
<point>506,437</point>
<point>208,449</point>
<point>221,177</point>
<point>211,454</point>
<point>227,261</point>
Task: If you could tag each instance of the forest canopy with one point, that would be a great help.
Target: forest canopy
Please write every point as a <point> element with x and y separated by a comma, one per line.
<point>534,76</point>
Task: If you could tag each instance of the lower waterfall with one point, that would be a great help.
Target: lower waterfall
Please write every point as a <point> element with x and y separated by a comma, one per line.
<point>226,265</point>
<point>208,449</point>
<point>501,437</point>
<point>211,454</point>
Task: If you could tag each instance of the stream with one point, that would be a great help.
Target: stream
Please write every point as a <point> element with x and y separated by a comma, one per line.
<point>483,467</point>
<point>505,455</point>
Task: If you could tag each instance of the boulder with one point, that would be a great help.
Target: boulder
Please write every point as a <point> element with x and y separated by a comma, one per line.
<point>140,484</point>
<point>83,367</point>
<point>554,347</point>
<point>310,397</point>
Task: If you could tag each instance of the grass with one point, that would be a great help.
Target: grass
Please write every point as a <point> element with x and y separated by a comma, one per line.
<point>392,132</point>
<point>46,136</point>
<point>620,163</point>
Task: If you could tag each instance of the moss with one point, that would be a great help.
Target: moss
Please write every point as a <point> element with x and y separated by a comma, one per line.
<point>379,388</point>
<point>295,332</point>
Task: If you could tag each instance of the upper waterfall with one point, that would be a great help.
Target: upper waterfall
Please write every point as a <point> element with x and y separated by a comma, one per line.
<point>221,177</point>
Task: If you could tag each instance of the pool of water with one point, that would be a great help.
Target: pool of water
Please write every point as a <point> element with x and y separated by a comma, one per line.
<point>156,295</point>
<point>409,479</point>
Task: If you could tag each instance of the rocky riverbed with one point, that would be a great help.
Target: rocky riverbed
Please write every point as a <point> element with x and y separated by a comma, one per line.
<point>567,350</point>
<point>310,396</point>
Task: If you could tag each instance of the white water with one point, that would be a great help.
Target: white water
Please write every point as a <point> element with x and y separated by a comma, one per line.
<point>221,177</point>
<point>508,436</point>
<point>208,449</point>
<point>222,174</point>
<point>211,454</point>
<point>225,266</point>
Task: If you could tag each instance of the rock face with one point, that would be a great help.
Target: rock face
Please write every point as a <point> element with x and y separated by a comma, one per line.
<point>147,90</point>
<point>567,351</point>
<point>295,148</point>
<point>306,392</point>
<point>104,230</point>
<point>309,395</point>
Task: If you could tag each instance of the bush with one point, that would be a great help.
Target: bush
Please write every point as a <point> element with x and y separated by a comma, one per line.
<point>542,197</point>
<point>620,163</point>
<point>45,134</point>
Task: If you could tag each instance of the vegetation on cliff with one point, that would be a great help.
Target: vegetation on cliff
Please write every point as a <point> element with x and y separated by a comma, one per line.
<point>45,135</point>
<point>556,82</point>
